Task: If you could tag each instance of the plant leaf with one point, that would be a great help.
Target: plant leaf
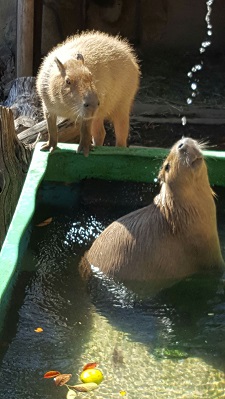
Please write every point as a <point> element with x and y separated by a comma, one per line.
<point>90,366</point>
<point>71,394</point>
<point>62,379</point>
<point>51,374</point>
<point>123,393</point>
<point>45,222</point>
<point>38,330</point>
<point>87,387</point>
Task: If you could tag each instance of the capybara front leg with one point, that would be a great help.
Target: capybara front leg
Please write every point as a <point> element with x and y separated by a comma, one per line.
<point>98,132</point>
<point>51,144</point>
<point>121,126</point>
<point>85,137</point>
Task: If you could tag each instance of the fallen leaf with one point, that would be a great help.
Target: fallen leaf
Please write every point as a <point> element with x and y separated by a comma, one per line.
<point>51,374</point>
<point>123,393</point>
<point>44,223</point>
<point>87,387</point>
<point>90,366</point>
<point>38,330</point>
<point>62,379</point>
<point>71,394</point>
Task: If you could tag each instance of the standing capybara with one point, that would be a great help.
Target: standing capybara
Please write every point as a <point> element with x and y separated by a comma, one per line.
<point>172,238</point>
<point>89,78</point>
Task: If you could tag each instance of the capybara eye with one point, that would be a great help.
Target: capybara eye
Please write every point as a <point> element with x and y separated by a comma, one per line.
<point>167,167</point>
<point>68,81</point>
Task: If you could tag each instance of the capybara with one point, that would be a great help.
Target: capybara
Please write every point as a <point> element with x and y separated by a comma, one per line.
<point>89,78</point>
<point>170,239</point>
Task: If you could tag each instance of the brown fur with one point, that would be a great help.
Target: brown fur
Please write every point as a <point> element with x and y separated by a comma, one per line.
<point>92,68</point>
<point>173,237</point>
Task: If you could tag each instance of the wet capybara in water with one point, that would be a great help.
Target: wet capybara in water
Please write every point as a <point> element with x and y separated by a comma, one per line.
<point>173,237</point>
<point>89,78</point>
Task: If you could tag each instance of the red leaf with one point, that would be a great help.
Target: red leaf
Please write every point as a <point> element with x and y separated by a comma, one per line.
<point>45,223</point>
<point>51,374</point>
<point>90,366</point>
<point>62,379</point>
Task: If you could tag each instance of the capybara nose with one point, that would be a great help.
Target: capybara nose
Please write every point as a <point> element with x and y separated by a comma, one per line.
<point>180,146</point>
<point>185,143</point>
<point>91,101</point>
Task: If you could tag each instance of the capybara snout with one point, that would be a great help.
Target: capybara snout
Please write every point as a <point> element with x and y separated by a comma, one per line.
<point>90,104</point>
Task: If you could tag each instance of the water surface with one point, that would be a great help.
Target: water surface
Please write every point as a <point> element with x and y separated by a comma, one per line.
<point>169,346</point>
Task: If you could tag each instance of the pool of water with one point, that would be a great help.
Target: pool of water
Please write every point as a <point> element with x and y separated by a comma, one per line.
<point>169,346</point>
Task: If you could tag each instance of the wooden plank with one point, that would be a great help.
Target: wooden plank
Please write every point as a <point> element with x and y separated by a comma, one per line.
<point>38,7</point>
<point>25,32</point>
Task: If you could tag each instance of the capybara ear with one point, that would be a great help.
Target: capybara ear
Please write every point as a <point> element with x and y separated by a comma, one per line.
<point>80,57</point>
<point>60,65</point>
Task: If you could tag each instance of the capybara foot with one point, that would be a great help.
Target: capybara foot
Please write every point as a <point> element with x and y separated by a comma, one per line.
<point>85,149</point>
<point>48,146</point>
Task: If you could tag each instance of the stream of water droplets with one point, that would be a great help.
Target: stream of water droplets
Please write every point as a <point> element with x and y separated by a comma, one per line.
<point>193,74</point>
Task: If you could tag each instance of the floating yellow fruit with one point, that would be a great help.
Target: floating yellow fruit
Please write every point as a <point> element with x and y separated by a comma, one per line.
<point>92,375</point>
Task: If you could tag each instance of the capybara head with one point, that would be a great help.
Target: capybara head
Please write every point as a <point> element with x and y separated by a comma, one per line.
<point>73,83</point>
<point>184,166</point>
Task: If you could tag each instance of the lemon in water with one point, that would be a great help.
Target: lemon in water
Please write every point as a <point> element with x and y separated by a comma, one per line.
<point>92,375</point>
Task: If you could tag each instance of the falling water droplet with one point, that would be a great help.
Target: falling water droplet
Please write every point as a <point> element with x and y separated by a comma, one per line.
<point>203,47</point>
<point>183,120</point>
<point>206,44</point>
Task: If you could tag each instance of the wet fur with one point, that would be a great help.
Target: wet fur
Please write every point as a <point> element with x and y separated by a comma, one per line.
<point>173,237</point>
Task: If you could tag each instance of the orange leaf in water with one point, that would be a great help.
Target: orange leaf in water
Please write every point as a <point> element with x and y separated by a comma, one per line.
<point>38,330</point>
<point>45,223</point>
<point>90,366</point>
<point>62,379</point>
<point>51,374</point>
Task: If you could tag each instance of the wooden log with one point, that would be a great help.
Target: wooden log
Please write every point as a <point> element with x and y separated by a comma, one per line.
<point>67,132</point>
<point>14,163</point>
<point>25,34</point>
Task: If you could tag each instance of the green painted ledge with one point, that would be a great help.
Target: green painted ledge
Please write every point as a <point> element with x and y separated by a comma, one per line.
<point>65,165</point>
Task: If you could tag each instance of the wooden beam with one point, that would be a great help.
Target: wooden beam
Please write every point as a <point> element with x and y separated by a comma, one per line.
<point>38,14</point>
<point>25,35</point>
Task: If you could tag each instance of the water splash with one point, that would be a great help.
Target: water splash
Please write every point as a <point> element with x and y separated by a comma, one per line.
<point>193,73</point>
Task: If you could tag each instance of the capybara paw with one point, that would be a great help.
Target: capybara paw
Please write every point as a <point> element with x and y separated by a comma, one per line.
<point>85,149</point>
<point>48,147</point>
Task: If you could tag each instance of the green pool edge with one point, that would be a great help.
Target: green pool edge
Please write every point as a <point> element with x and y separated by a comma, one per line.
<point>65,165</point>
